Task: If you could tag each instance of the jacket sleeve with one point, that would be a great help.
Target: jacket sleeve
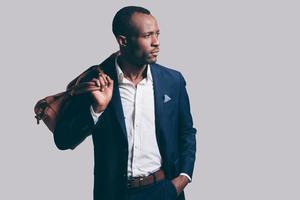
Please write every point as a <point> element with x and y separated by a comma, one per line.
<point>75,121</point>
<point>187,132</point>
<point>74,124</point>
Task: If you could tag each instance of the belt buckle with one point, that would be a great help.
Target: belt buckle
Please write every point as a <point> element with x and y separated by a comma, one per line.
<point>136,179</point>
<point>141,180</point>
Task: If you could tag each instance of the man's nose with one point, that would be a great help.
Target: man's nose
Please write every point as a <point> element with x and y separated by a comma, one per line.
<point>155,41</point>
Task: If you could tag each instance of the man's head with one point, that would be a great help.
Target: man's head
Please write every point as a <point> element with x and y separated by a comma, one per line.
<point>136,31</point>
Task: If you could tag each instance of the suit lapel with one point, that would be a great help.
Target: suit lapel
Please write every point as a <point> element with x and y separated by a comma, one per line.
<point>117,107</point>
<point>158,102</point>
<point>116,104</point>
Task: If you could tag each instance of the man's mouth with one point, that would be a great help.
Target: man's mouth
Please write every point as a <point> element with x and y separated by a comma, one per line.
<point>155,52</point>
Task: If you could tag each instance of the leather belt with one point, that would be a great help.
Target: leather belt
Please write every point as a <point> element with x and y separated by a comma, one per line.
<point>136,182</point>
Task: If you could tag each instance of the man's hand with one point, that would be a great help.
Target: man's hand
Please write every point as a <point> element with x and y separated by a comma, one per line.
<point>102,96</point>
<point>180,182</point>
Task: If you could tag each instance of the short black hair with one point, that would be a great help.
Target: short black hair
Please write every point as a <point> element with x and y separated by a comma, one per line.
<point>120,24</point>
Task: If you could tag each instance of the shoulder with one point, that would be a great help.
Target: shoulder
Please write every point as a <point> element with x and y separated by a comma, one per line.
<point>167,72</point>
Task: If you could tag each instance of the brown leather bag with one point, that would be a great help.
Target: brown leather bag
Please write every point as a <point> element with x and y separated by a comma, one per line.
<point>48,108</point>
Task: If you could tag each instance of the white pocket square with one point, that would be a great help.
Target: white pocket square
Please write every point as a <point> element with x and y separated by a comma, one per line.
<point>166,98</point>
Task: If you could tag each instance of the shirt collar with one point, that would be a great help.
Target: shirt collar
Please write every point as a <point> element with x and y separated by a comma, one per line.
<point>120,73</point>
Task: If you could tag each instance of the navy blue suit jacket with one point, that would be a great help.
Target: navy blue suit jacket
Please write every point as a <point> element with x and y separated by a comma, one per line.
<point>174,131</point>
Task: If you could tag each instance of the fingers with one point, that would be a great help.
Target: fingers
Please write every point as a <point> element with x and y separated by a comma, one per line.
<point>109,81</point>
<point>96,81</point>
<point>103,81</point>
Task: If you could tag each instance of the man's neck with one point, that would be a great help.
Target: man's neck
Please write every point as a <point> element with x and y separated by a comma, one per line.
<point>132,72</point>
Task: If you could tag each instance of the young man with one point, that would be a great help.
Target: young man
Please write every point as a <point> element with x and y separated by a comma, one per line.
<point>139,119</point>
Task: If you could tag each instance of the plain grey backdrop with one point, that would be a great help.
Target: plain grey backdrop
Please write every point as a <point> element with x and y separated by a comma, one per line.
<point>240,60</point>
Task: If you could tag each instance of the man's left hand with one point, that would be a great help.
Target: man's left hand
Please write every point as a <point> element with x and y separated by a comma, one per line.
<point>180,182</point>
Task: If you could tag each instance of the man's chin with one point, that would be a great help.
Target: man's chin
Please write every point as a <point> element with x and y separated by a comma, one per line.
<point>152,60</point>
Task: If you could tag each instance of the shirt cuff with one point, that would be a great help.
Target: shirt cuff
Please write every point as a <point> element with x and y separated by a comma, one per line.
<point>186,175</point>
<point>95,116</point>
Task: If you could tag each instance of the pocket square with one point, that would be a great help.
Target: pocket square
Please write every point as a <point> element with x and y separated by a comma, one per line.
<point>166,98</point>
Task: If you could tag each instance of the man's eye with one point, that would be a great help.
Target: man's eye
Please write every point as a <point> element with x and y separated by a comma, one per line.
<point>147,36</point>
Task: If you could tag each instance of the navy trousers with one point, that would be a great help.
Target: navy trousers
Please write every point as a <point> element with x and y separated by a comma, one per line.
<point>161,190</point>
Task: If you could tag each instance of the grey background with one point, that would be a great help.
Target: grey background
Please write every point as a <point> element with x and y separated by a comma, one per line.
<point>241,63</point>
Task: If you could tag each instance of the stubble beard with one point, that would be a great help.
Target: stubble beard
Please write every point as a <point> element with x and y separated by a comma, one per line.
<point>150,59</point>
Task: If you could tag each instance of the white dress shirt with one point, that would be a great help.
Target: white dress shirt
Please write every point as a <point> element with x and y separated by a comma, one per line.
<point>138,106</point>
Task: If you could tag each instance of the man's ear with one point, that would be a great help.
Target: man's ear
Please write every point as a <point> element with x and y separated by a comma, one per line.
<point>122,41</point>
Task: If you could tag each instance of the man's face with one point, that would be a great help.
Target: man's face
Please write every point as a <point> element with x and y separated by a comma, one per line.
<point>142,44</point>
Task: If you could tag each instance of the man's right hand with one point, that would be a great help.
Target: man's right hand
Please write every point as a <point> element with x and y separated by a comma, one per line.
<point>102,96</point>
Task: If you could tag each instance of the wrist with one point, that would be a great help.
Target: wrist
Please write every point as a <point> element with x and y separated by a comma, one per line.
<point>98,108</point>
<point>183,179</point>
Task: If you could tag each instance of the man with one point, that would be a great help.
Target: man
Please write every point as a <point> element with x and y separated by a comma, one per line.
<point>139,119</point>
